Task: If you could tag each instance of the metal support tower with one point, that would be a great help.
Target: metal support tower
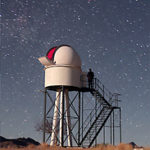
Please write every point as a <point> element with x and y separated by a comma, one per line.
<point>73,123</point>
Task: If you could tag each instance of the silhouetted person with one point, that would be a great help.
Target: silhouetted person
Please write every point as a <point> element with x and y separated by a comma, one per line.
<point>90,77</point>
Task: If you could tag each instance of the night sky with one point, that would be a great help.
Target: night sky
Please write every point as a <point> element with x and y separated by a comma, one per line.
<point>111,36</point>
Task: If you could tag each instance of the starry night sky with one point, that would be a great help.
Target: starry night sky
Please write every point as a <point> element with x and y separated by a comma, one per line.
<point>111,36</point>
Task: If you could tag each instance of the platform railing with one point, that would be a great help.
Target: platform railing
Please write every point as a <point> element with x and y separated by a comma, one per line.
<point>99,86</point>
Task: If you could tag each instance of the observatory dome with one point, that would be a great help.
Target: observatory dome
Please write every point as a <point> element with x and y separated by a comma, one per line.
<point>66,55</point>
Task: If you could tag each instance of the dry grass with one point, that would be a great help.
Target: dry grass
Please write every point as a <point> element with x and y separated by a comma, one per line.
<point>124,147</point>
<point>147,148</point>
<point>111,147</point>
<point>98,147</point>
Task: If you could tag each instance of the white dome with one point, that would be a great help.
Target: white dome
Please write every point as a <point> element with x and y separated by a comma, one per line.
<point>65,55</point>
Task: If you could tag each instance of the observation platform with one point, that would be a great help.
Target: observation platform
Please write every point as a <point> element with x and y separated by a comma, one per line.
<point>70,88</point>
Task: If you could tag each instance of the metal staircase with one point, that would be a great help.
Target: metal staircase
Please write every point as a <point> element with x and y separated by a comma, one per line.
<point>103,113</point>
<point>98,96</point>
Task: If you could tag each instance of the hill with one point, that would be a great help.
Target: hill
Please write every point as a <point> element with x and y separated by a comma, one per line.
<point>17,143</point>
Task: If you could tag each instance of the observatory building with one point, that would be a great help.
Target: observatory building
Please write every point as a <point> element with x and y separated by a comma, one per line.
<point>70,123</point>
<point>62,67</point>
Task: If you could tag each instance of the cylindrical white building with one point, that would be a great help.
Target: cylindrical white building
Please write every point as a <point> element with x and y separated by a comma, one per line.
<point>63,68</point>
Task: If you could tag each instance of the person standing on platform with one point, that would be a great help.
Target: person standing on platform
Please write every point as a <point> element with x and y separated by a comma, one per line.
<point>90,77</point>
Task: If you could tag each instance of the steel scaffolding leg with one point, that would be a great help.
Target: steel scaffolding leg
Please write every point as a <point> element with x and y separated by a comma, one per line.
<point>44,121</point>
<point>82,115</point>
<point>110,129</point>
<point>104,134</point>
<point>113,128</point>
<point>79,120</point>
<point>120,125</point>
<point>95,117</point>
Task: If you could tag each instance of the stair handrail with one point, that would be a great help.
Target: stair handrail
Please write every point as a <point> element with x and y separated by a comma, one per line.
<point>92,113</point>
<point>101,112</point>
<point>98,85</point>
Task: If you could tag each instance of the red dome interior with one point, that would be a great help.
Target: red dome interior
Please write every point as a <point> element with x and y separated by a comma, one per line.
<point>50,53</point>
